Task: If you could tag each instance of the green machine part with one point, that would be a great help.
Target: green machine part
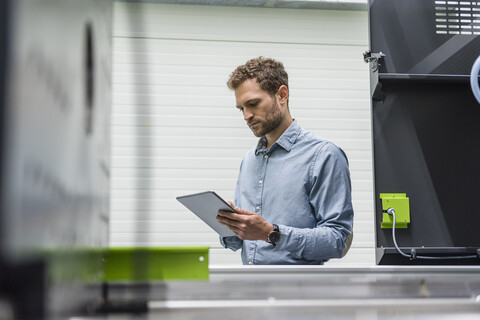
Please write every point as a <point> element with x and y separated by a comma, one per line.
<point>156,264</point>
<point>400,203</point>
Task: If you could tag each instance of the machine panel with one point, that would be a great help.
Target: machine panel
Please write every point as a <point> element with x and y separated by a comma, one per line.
<point>425,128</point>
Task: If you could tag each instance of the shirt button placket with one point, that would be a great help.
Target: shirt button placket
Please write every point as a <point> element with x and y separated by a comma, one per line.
<point>258,206</point>
<point>259,192</point>
<point>261,183</point>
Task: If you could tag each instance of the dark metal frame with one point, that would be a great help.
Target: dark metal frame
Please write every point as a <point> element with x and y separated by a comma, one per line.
<point>425,132</point>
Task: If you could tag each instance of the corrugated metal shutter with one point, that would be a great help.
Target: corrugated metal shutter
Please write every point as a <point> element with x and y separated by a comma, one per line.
<point>175,128</point>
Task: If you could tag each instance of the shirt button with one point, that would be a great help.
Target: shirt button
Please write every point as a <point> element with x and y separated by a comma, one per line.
<point>260,181</point>
<point>258,208</point>
<point>266,156</point>
<point>250,262</point>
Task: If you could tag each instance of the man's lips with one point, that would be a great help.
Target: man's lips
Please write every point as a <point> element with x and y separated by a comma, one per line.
<point>253,124</point>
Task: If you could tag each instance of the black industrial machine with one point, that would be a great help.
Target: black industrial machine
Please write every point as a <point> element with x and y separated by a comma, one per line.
<point>425,130</point>
<point>54,154</point>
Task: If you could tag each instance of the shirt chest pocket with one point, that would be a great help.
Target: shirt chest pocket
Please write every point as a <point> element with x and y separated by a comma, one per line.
<point>286,200</point>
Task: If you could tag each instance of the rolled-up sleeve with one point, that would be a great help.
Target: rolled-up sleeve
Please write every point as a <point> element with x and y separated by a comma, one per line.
<point>233,243</point>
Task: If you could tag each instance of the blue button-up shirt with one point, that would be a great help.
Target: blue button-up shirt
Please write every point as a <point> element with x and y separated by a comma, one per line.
<point>302,184</point>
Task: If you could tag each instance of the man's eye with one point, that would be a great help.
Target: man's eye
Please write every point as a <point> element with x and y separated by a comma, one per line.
<point>240,109</point>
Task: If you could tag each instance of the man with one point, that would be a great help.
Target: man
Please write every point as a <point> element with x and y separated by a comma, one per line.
<point>293,194</point>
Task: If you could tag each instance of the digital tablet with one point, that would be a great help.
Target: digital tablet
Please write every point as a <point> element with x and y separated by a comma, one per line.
<point>206,205</point>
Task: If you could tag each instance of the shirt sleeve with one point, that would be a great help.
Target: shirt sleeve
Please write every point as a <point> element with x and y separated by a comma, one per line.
<point>330,199</point>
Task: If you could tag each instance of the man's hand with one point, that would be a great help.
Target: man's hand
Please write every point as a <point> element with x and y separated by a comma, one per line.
<point>246,225</point>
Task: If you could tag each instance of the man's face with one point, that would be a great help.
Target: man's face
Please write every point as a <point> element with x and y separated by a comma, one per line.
<point>260,110</point>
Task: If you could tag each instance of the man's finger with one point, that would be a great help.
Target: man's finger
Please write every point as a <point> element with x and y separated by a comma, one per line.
<point>229,215</point>
<point>231,224</point>
<point>238,211</point>
<point>245,212</point>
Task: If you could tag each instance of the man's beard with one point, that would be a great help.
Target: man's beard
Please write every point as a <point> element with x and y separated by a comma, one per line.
<point>272,120</point>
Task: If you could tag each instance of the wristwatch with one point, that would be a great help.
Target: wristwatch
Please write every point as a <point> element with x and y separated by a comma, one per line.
<point>274,236</point>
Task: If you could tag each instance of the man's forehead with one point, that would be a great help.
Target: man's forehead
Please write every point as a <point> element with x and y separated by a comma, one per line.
<point>249,89</point>
<point>249,84</point>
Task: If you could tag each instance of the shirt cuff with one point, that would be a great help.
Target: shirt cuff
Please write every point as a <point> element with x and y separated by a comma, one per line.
<point>233,242</point>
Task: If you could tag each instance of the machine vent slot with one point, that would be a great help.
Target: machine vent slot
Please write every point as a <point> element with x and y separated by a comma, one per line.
<point>457,17</point>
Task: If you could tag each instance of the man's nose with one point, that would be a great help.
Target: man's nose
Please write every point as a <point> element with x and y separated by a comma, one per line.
<point>247,114</point>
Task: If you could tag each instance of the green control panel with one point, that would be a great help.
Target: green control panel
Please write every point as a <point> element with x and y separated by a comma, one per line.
<point>400,203</point>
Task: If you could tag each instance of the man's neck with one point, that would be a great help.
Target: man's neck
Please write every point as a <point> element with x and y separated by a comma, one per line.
<point>274,135</point>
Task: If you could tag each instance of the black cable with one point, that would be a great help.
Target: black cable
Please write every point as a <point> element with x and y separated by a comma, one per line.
<point>413,256</point>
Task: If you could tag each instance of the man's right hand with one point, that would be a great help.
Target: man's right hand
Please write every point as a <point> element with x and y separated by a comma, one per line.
<point>247,225</point>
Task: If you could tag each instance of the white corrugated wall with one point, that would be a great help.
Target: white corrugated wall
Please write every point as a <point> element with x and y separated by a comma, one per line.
<point>175,128</point>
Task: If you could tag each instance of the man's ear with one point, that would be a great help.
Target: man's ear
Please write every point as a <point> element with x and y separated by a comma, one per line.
<point>282,94</point>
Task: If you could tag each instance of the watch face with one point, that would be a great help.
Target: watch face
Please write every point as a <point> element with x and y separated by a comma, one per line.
<point>274,236</point>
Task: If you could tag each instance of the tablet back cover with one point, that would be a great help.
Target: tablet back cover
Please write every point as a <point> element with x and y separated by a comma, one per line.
<point>205,205</point>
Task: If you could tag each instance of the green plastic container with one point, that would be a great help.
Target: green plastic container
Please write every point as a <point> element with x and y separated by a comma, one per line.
<point>156,264</point>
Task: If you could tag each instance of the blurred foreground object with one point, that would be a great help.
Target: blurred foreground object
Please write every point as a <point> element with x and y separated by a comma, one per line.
<point>54,153</point>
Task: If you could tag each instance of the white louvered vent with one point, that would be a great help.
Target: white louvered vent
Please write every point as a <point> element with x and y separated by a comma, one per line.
<point>457,17</point>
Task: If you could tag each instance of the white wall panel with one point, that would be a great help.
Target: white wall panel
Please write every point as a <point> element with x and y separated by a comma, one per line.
<point>175,128</point>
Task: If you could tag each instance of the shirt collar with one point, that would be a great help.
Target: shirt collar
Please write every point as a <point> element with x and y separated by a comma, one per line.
<point>286,140</point>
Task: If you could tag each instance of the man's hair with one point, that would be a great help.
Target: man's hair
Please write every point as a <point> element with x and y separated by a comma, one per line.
<point>269,73</point>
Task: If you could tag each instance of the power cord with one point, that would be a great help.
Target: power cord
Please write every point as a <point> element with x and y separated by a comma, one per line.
<point>413,252</point>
